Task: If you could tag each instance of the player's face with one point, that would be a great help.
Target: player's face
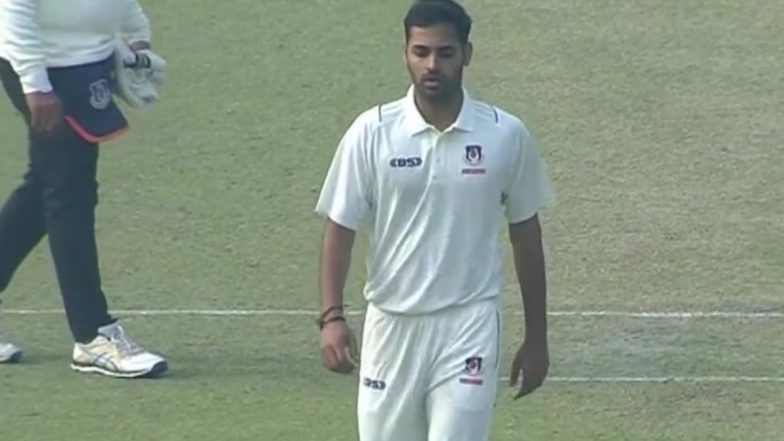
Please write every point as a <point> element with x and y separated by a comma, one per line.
<point>435,59</point>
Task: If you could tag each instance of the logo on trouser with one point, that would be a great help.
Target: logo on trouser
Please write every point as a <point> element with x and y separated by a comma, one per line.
<point>100,94</point>
<point>472,370</point>
<point>374,384</point>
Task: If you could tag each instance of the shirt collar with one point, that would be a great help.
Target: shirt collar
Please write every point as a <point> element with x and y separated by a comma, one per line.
<point>416,124</point>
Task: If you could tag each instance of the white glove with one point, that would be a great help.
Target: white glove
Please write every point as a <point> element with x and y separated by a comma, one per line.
<point>138,74</point>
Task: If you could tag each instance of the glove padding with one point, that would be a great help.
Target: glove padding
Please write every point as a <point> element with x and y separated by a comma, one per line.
<point>138,74</point>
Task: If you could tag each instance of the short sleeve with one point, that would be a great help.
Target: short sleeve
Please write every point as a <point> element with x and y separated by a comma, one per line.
<point>346,194</point>
<point>531,187</point>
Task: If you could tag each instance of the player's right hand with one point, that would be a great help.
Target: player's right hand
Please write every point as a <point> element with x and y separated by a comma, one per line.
<point>46,112</point>
<point>339,348</point>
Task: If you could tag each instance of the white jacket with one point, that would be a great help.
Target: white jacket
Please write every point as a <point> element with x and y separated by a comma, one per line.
<point>38,34</point>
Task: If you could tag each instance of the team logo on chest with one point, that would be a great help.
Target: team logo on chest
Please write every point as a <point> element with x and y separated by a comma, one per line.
<point>473,154</point>
<point>473,157</point>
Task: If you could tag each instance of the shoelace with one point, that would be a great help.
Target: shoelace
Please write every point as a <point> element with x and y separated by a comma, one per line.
<point>125,345</point>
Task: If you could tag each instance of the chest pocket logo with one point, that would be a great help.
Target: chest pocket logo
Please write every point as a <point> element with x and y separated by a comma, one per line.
<point>410,162</point>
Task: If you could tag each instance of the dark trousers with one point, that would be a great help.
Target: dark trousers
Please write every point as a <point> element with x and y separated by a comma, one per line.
<point>57,198</point>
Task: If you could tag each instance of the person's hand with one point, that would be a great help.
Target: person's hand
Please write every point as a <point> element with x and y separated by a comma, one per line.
<point>141,45</point>
<point>339,347</point>
<point>533,360</point>
<point>46,111</point>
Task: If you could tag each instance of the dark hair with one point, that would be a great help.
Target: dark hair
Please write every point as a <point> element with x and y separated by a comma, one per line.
<point>425,13</point>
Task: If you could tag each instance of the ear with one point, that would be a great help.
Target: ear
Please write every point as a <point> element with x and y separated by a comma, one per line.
<point>469,52</point>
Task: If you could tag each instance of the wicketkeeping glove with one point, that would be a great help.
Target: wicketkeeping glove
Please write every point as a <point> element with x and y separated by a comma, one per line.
<point>138,74</point>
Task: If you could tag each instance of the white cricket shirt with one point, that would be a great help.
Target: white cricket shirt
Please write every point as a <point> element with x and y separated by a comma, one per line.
<point>434,201</point>
<point>37,34</point>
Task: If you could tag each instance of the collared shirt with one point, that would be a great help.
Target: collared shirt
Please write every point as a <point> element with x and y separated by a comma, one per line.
<point>434,200</point>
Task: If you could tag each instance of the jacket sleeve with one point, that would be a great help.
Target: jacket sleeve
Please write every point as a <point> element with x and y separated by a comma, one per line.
<point>23,46</point>
<point>136,25</point>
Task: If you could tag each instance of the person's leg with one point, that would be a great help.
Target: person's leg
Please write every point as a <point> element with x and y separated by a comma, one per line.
<point>391,401</point>
<point>21,216</point>
<point>67,165</point>
<point>462,394</point>
<point>58,197</point>
<point>21,228</point>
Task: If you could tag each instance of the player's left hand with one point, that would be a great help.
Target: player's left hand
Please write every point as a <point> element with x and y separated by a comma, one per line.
<point>533,360</point>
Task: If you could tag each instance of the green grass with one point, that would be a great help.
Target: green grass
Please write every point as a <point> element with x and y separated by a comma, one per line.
<point>661,124</point>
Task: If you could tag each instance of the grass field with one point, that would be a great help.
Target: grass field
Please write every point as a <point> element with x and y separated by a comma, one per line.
<point>661,123</point>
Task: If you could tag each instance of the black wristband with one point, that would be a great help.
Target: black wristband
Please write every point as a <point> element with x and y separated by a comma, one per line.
<point>337,318</point>
<point>330,309</point>
<point>322,321</point>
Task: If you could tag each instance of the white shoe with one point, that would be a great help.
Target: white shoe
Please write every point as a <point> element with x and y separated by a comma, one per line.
<point>9,353</point>
<point>114,354</point>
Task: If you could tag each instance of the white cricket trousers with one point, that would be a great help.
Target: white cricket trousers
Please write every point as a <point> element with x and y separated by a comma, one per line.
<point>429,377</point>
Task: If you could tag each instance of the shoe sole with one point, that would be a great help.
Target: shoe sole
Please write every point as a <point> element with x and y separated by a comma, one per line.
<point>14,358</point>
<point>155,371</point>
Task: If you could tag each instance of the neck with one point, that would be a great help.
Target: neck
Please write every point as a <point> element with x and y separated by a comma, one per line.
<point>440,114</point>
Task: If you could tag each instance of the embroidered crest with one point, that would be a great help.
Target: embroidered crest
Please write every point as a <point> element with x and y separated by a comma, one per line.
<point>473,154</point>
<point>100,94</point>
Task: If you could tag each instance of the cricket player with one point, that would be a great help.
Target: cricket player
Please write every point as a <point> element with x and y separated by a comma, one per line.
<point>56,65</point>
<point>433,174</point>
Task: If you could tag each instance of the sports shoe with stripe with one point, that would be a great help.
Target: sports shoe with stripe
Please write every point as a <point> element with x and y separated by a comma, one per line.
<point>114,354</point>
